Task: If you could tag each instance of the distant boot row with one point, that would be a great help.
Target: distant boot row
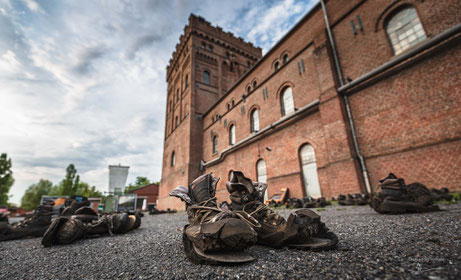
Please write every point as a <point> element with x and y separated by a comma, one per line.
<point>220,235</point>
<point>85,222</point>
<point>397,198</point>
<point>354,200</point>
<point>34,225</point>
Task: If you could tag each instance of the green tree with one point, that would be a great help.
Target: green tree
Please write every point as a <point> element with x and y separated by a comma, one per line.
<point>140,182</point>
<point>85,190</point>
<point>6,178</point>
<point>34,193</point>
<point>70,183</point>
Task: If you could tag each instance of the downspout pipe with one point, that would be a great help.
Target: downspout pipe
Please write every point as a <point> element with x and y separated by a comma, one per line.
<point>346,100</point>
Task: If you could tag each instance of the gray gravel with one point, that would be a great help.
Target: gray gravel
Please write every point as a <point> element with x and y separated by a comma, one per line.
<point>372,246</point>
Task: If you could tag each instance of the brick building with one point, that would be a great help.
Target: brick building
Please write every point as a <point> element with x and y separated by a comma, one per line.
<point>150,192</point>
<point>356,89</point>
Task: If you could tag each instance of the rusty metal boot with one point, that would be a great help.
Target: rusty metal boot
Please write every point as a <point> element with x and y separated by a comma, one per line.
<point>302,230</point>
<point>32,226</point>
<point>397,198</point>
<point>214,235</point>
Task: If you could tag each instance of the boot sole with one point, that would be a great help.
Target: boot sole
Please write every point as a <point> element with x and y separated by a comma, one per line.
<point>327,242</point>
<point>400,207</point>
<point>198,256</point>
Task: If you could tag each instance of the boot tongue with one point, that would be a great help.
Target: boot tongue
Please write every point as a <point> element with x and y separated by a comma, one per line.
<point>242,190</point>
<point>202,188</point>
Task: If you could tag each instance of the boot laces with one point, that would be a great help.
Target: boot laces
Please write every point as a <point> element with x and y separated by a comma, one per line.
<point>261,210</point>
<point>204,213</point>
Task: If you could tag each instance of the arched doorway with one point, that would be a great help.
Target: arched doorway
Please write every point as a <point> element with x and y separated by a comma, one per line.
<point>261,173</point>
<point>309,169</point>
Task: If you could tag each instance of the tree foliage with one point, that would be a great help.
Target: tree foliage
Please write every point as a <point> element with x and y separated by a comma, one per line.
<point>70,182</point>
<point>69,186</point>
<point>6,178</point>
<point>34,193</point>
<point>140,182</point>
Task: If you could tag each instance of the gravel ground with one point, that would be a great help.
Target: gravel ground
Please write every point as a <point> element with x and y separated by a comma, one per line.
<point>372,246</point>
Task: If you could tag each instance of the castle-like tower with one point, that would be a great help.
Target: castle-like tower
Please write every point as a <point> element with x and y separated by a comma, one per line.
<point>205,65</point>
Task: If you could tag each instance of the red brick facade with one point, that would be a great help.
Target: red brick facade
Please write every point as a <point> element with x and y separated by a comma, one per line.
<point>407,119</point>
<point>150,191</point>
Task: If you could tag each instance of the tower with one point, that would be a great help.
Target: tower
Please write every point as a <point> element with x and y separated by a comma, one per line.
<point>205,65</point>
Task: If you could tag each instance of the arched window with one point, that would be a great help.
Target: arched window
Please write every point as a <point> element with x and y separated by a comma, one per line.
<point>172,159</point>
<point>176,121</point>
<point>232,134</point>
<point>255,84</point>
<point>206,77</point>
<point>248,89</point>
<point>309,171</point>
<point>233,103</point>
<point>285,58</point>
<point>186,80</point>
<point>404,29</point>
<point>276,66</point>
<point>254,120</point>
<point>261,173</point>
<point>286,100</point>
<point>261,170</point>
<point>228,106</point>
<point>215,144</point>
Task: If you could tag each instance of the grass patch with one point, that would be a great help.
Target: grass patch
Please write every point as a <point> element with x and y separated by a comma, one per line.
<point>320,209</point>
<point>456,196</point>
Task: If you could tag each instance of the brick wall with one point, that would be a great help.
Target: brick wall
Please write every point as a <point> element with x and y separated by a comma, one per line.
<point>408,120</point>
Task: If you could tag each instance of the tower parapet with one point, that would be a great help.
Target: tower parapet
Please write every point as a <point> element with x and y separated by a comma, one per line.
<point>199,26</point>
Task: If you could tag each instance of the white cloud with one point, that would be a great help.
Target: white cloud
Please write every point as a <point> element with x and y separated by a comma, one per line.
<point>84,82</point>
<point>33,6</point>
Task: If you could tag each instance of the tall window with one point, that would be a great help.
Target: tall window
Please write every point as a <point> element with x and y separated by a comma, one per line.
<point>261,170</point>
<point>288,106</point>
<point>232,135</point>
<point>176,121</point>
<point>404,29</point>
<point>254,120</point>
<point>262,174</point>
<point>177,95</point>
<point>248,89</point>
<point>215,144</point>
<point>172,159</point>
<point>206,77</point>
<point>187,81</point>
<point>276,66</point>
<point>255,84</point>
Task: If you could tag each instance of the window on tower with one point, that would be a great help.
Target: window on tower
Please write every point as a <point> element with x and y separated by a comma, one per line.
<point>206,77</point>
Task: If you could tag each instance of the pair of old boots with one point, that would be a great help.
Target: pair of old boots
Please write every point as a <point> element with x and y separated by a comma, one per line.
<point>78,220</point>
<point>34,225</point>
<point>397,198</point>
<point>221,235</point>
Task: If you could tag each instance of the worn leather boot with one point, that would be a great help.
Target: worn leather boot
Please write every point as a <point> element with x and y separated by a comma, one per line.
<point>214,235</point>
<point>32,226</point>
<point>302,230</point>
<point>397,198</point>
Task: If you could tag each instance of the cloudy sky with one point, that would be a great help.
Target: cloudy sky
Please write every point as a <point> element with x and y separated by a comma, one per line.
<point>83,81</point>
